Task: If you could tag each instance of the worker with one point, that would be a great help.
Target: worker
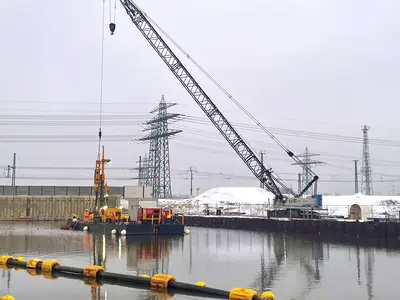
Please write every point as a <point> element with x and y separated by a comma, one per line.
<point>169,219</point>
<point>86,216</point>
<point>102,212</point>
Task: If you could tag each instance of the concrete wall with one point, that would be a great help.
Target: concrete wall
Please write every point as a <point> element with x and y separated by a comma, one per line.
<point>355,232</point>
<point>42,208</point>
<point>43,190</point>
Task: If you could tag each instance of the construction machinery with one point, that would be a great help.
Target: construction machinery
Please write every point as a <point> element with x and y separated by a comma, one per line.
<point>101,188</point>
<point>284,196</point>
<point>150,221</point>
<point>159,216</point>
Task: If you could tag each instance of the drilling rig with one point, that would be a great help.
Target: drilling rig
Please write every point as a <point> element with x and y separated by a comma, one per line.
<point>100,186</point>
<point>284,197</point>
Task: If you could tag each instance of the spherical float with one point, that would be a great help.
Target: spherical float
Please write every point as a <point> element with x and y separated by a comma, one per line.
<point>123,232</point>
<point>85,228</point>
<point>114,231</point>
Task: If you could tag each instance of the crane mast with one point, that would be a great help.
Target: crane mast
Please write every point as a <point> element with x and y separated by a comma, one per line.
<point>100,186</point>
<point>264,175</point>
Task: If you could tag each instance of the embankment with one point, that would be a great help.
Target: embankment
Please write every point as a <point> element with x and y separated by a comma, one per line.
<point>43,208</point>
<point>330,229</point>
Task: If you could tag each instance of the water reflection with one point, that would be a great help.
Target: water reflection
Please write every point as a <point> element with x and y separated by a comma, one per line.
<point>151,255</point>
<point>293,266</point>
<point>304,265</point>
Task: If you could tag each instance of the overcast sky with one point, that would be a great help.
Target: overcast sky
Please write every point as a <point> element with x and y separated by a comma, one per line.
<point>315,71</point>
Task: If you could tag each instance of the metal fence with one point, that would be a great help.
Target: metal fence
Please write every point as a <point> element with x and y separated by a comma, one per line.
<point>43,190</point>
<point>260,210</point>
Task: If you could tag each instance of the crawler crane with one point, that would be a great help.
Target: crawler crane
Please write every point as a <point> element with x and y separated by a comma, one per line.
<point>269,180</point>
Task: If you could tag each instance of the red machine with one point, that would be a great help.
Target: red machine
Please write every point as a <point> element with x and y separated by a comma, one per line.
<point>155,215</point>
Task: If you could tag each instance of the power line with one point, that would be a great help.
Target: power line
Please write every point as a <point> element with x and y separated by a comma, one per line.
<point>79,102</point>
<point>200,144</point>
<point>59,136</point>
<point>135,103</point>
<point>117,120</point>
<point>199,178</point>
<point>82,117</point>
<point>176,172</point>
<point>302,134</point>
<point>217,147</point>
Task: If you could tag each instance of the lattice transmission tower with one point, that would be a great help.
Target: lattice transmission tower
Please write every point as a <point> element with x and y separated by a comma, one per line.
<point>156,172</point>
<point>366,169</point>
<point>307,164</point>
<point>143,171</point>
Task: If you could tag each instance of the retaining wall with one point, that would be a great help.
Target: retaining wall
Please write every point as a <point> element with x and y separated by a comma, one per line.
<point>40,208</point>
<point>44,190</point>
<point>348,230</point>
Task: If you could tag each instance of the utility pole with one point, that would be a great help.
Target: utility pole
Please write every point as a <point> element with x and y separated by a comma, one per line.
<point>8,175</point>
<point>262,153</point>
<point>191,181</point>
<point>14,167</point>
<point>140,180</point>
<point>356,176</point>
<point>11,170</point>
<point>191,171</point>
<point>299,183</point>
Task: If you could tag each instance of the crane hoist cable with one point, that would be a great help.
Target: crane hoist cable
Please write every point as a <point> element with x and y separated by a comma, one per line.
<point>112,17</point>
<point>237,103</point>
<point>101,81</point>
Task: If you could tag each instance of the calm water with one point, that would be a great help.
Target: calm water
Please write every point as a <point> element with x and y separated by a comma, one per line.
<point>294,267</point>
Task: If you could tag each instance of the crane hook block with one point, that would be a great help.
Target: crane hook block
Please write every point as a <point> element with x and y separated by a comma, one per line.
<point>112,28</point>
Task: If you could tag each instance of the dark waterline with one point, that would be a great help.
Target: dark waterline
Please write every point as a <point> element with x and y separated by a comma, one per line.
<point>294,267</point>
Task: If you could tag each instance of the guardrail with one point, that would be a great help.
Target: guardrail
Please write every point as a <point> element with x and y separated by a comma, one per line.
<point>161,285</point>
